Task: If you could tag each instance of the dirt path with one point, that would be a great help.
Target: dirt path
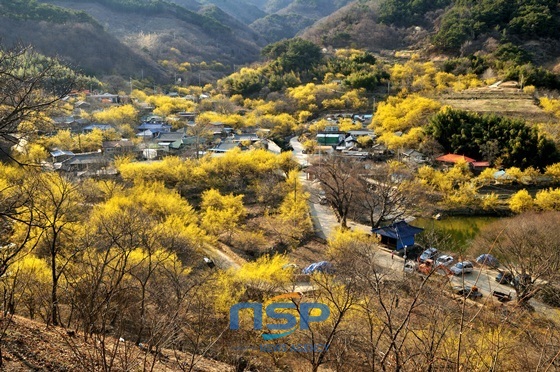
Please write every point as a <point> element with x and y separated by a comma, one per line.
<point>224,257</point>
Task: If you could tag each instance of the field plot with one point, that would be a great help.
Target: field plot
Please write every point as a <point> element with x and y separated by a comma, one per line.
<point>507,103</point>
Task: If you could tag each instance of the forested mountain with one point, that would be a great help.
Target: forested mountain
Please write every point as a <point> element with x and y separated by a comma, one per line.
<point>74,36</point>
<point>287,18</point>
<point>196,40</point>
<point>202,40</point>
<point>132,38</point>
<point>520,30</point>
<point>358,24</point>
<point>239,9</point>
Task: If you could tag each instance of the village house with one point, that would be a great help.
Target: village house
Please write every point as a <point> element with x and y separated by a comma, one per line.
<point>452,159</point>
<point>414,156</point>
<point>330,138</point>
<point>58,156</point>
<point>114,148</point>
<point>82,105</point>
<point>154,128</point>
<point>104,98</point>
<point>85,163</point>
<point>172,140</point>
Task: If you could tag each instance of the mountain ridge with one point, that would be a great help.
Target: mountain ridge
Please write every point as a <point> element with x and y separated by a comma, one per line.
<point>180,38</point>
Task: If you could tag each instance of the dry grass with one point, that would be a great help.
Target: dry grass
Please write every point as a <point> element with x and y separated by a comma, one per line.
<point>313,250</point>
<point>505,102</point>
<point>31,346</point>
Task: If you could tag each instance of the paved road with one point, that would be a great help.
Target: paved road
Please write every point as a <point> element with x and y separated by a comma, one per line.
<point>325,223</point>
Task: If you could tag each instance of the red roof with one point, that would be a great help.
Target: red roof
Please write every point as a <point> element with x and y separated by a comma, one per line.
<point>453,158</point>
<point>481,164</point>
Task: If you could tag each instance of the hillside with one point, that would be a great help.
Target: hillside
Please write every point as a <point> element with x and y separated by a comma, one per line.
<point>275,27</point>
<point>287,18</point>
<point>195,37</point>
<point>508,102</point>
<point>144,39</point>
<point>102,54</point>
<point>357,24</point>
<point>521,31</point>
<point>131,39</point>
<point>56,31</point>
<point>314,9</point>
<point>238,9</point>
<point>30,345</point>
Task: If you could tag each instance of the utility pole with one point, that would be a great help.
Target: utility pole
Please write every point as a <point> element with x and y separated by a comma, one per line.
<point>294,209</point>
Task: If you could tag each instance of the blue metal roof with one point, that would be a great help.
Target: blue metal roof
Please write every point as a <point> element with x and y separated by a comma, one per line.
<point>398,230</point>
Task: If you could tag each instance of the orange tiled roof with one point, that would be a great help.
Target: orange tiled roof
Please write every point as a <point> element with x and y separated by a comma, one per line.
<point>454,158</point>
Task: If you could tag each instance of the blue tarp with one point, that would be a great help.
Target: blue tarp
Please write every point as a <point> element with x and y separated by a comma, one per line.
<point>400,233</point>
<point>323,267</point>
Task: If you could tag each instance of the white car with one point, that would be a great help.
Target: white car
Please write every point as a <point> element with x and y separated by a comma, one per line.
<point>410,266</point>
<point>463,267</point>
<point>444,260</point>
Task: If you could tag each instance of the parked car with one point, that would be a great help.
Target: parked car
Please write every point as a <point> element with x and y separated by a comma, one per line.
<point>488,260</point>
<point>501,296</point>
<point>468,292</point>
<point>428,254</point>
<point>444,260</point>
<point>209,262</point>
<point>463,267</point>
<point>410,266</point>
<point>428,266</point>
<point>504,277</point>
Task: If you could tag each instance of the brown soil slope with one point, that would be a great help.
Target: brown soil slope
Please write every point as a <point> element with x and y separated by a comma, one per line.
<point>31,346</point>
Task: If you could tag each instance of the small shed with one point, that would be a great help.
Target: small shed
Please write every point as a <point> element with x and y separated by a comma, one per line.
<point>399,234</point>
<point>330,139</point>
<point>61,155</point>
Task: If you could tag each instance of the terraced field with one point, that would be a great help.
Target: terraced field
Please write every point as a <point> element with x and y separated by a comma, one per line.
<point>507,102</point>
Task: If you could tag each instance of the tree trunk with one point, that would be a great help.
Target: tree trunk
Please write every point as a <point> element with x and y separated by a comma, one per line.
<point>343,223</point>
<point>54,292</point>
<point>142,315</point>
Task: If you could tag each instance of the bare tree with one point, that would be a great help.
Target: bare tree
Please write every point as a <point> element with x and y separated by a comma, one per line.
<point>29,84</point>
<point>387,307</point>
<point>339,178</point>
<point>528,247</point>
<point>384,196</point>
<point>201,132</point>
<point>323,337</point>
<point>59,208</point>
